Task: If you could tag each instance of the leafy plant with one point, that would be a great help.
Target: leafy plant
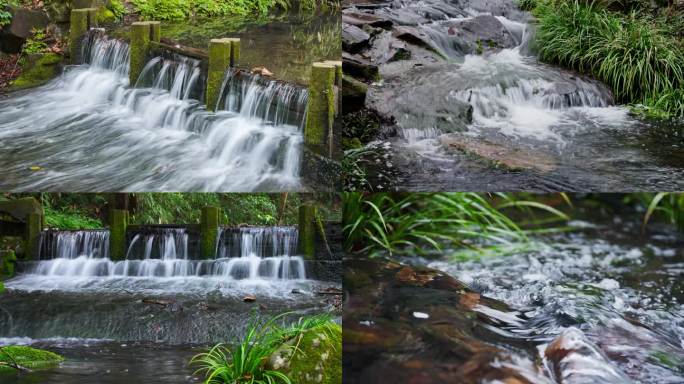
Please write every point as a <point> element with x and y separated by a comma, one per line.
<point>70,220</point>
<point>117,7</point>
<point>35,43</point>
<point>244,361</point>
<point>420,223</point>
<point>669,205</point>
<point>634,53</point>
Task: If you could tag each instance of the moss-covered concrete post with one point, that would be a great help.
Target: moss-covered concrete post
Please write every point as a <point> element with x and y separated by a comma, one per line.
<point>118,222</point>
<point>321,107</point>
<point>142,32</point>
<point>34,224</point>
<point>223,53</point>
<point>81,21</point>
<point>307,231</point>
<point>209,232</point>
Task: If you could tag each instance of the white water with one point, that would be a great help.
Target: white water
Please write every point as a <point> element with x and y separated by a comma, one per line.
<point>80,261</point>
<point>88,130</point>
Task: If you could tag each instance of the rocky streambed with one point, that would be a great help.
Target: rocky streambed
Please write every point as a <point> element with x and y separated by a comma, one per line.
<point>463,102</point>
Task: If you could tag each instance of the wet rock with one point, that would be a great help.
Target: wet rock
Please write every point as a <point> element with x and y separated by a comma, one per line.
<point>24,20</point>
<point>501,155</point>
<point>562,88</point>
<point>478,35</point>
<point>576,360</point>
<point>405,324</point>
<point>353,38</point>
<point>249,299</point>
<point>359,68</point>
<point>360,19</point>
<point>415,36</point>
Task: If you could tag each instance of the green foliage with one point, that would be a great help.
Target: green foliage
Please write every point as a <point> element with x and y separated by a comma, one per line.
<point>117,7</point>
<point>635,53</point>
<point>244,361</point>
<point>2,287</point>
<point>70,220</point>
<point>527,5</point>
<point>419,223</point>
<point>668,205</point>
<point>183,9</point>
<point>35,43</point>
<point>5,16</point>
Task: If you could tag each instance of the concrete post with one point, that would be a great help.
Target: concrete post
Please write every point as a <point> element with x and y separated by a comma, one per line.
<point>34,224</point>
<point>142,33</point>
<point>223,53</point>
<point>81,21</point>
<point>209,232</point>
<point>321,108</point>
<point>307,231</point>
<point>118,222</point>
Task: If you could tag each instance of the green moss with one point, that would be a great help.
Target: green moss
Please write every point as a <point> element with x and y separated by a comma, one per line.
<point>38,71</point>
<point>307,231</point>
<point>317,358</point>
<point>117,233</point>
<point>139,47</point>
<point>27,357</point>
<point>209,232</point>
<point>219,61</point>
<point>78,26</point>
<point>105,15</point>
<point>321,106</point>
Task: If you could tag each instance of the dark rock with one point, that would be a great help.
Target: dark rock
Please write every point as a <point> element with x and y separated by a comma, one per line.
<point>353,38</point>
<point>24,20</point>
<point>360,19</point>
<point>359,68</point>
<point>477,35</point>
<point>415,36</point>
<point>405,324</point>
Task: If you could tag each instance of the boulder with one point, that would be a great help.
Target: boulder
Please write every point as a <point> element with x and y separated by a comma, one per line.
<point>353,38</point>
<point>23,22</point>
<point>478,35</point>
<point>314,357</point>
<point>58,11</point>
<point>360,19</point>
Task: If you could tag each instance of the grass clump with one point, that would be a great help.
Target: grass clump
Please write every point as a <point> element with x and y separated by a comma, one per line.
<point>424,224</point>
<point>245,361</point>
<point>15,357</point>
<point>634,52</point>
<point>70,220</point>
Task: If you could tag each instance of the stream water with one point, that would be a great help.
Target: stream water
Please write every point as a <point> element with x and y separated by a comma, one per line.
<point>565,129</point>
<point>89,130</point>
<point>142,318</point>
<point>610,298</point>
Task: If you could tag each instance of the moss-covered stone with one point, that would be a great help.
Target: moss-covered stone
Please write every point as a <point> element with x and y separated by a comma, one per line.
<point>317,358</point>
<point>80,21</point>
<point>37,70</point>
<point>209,232</point>
<point>118,223</point>
<point>34,224</point>
<point>307,231</point>
<point>139,48</point>
<point>219,61</point>
<point>27,357</point>
<point>105,15</point>
<point>321,107</point>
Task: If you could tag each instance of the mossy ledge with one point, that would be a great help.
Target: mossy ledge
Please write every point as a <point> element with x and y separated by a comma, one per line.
<point>27,357</point>
<point>37,70</point>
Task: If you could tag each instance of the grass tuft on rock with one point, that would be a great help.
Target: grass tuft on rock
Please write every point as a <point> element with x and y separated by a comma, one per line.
<point>26,357</point>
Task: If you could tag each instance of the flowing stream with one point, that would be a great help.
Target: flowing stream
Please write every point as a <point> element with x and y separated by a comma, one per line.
<point>89,130</point>
<point>560,130</point>
<point>611,301</point>
<point>142,318</point>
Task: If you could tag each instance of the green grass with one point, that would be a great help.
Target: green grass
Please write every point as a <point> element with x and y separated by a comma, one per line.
<point>70,220</point>
<point>635,53</point>
<point>244,360</point>
<point>667,205</point>
<point>425,224</point>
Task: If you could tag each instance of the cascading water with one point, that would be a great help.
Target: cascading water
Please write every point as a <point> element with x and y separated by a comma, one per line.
<point>162,260</point>
<point>89,130</point>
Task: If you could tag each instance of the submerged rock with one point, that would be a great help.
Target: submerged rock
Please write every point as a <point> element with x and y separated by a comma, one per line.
<point>353,38</point>
<point>405,324</point>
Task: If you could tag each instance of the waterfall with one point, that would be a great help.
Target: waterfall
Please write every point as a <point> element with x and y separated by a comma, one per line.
<point>243,254</point>
<point>90,115</point>
<point>269,100</point>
